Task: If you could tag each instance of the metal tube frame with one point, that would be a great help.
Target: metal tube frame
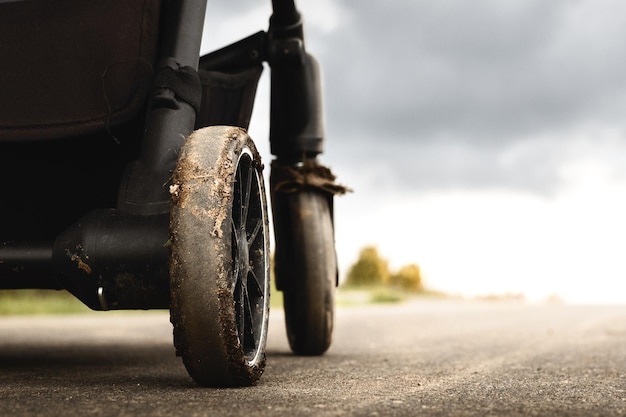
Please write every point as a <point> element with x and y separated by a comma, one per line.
<point>170,119</point>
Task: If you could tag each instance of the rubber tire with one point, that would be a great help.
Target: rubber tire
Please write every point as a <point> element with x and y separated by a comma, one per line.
<point>203,309</point>
<point>306,266</point>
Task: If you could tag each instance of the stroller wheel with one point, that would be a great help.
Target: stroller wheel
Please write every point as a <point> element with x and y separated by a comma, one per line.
<point>219,266</point>
<point>306,266</point>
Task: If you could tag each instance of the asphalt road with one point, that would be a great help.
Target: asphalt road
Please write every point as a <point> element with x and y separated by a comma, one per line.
<point>426,358</point>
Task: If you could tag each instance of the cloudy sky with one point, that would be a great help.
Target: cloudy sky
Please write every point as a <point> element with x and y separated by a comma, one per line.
<point>484,140</point>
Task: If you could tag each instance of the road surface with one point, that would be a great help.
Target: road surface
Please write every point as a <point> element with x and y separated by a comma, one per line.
<point>423,358</point>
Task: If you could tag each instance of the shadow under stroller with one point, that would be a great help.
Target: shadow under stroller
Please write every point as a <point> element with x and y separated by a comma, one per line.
<point>130,179</point>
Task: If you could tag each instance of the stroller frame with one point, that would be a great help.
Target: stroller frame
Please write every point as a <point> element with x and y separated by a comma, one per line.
<point>132,255</point>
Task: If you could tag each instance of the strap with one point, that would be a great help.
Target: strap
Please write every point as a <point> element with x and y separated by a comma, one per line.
<point>183,82</point>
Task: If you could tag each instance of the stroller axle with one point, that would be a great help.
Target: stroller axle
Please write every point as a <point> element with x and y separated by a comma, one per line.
<point>108,259</point>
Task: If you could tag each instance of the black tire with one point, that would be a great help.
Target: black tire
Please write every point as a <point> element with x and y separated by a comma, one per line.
<point>219,266</point>
<point>306,267</point>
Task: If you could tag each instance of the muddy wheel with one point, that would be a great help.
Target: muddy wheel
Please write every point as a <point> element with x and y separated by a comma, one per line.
<point>219,266</point>
<point>306,268</point>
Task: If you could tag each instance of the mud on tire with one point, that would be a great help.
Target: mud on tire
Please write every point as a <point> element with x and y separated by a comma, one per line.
<point>219,265</point>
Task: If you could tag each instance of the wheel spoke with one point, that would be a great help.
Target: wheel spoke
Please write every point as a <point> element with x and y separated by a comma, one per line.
<point>239,197</point>
<point>241,316</point>
<point>248,315</point>
<point>256,285</point>
<point>255,232</point>
<point>246,195</point>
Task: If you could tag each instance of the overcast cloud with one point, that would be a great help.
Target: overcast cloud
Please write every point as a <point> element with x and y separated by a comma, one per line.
<point>474,94</point>
<point>485,70</point>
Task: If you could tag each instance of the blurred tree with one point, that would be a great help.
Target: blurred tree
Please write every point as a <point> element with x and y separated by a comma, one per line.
<point>370,269</point>
<point>409,277</point>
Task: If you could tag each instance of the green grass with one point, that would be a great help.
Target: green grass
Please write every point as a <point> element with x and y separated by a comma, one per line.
<point>37,302</point>
<point>351,296</point>
<point>381,294</point>
<point>276,297</point>
<point>32,302</point>
<point>386,296</point>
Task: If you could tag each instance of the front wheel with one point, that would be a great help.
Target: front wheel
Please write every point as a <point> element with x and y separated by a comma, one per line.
<point>306,268</point>
<point>219,266</point>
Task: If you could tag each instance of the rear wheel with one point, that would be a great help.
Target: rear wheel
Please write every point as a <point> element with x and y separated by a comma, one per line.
<point>306,268</point>
<point>219,267</point>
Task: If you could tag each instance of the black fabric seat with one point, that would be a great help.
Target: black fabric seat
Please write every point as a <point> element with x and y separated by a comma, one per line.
<point>73,67</point>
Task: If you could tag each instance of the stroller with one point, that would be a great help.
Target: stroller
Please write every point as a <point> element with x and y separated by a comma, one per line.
<point>131,182</point>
